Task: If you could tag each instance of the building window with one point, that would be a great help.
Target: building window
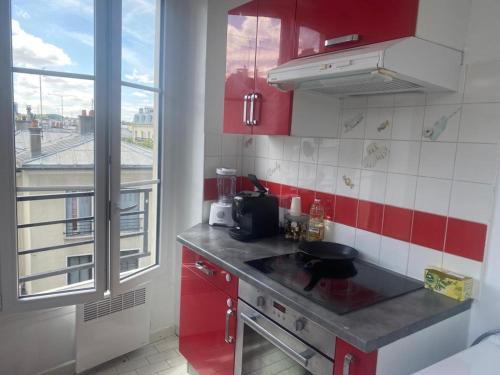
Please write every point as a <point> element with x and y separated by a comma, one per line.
<point>129,220</point>
<point>79,211</point>
<point>129,264</point>
<point>79,275</point>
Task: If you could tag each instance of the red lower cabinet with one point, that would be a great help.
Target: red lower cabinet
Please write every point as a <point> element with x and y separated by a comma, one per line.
<point>352,361</point>
<point>207,327</point>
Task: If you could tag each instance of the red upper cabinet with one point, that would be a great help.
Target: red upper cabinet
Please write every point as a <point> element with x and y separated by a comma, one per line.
<point>352,361</point>
<point>372,21</point>
<point>275,46</point>
<point>205,317</point>
<point>260,36</point>
<point>240,65</point>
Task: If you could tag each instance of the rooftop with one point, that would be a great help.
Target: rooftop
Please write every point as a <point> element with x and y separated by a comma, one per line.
<point>64,148</point>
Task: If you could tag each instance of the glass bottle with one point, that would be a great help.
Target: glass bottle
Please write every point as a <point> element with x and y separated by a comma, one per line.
<point>316,229</point>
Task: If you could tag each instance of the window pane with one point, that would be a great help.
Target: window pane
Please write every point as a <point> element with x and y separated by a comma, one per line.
<point>140,41</point>
<point>54,140</point>
<point>65,43</point>
<point>139,167</point>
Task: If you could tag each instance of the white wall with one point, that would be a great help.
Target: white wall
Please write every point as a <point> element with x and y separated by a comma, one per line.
<point>36,341</point>
<point>483,48</point>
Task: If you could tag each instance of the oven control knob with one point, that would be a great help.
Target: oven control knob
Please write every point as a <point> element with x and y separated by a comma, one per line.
<point>300,324</point>
<point>261,301</point>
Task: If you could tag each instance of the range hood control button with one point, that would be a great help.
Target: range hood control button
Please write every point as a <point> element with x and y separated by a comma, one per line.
<point>300,324</point>
<point>261,301</point>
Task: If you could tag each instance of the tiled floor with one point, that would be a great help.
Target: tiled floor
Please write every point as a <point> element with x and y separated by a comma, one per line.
<point>158,358</point>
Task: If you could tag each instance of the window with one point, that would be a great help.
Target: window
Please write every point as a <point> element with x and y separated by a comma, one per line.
<point>82,274</point>
<point>129,261</point>
<point>79,216</point>
<point>79,182</point>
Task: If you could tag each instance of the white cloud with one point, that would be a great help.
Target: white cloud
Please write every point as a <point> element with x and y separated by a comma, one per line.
<point>139,94</point>
<point>77,93</point>
<point>20,12</point>
<point>32,51</point>
<point>84,38</point>
<point>144,78</point>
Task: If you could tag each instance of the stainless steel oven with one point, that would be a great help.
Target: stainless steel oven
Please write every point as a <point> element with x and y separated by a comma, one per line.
<point>274,339</point>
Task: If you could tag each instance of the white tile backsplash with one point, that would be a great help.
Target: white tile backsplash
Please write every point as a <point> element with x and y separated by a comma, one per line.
<point>421,258</point>
<point>353,123</point>
<point>437,159</point>
<point>471,201</point>
<point>480,123</point>
<point>231,145</point>
<point>442,123</point>
<point>261,146</point>
<point>401,189</point>
<point>408,123</point>
<point>379,123</point>
<point>288,172</point>
<point>348,181</point>
<point>394,254</point>
<point>476,162</point>
<point>341,234</point>
<point>433,195</point>
<point>328,151</point>
<point>291,149</point>
<point>482,83</point>
<point>307,175</point>
<point>326,178</point>
<point>404,157</point>
<point>368,245</point>
<point>372,186</point>
<point>351,153</point>
<point>276,147</point>
<point>309,150</point>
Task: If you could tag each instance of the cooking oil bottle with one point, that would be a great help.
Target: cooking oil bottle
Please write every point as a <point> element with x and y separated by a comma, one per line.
<point>316,230</point>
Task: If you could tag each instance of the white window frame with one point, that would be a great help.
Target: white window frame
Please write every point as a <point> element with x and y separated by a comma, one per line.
<point>107,98</point>
<point>132,279</point>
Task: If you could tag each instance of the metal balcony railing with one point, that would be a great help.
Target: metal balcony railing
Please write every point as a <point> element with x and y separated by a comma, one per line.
<point>130,226</point>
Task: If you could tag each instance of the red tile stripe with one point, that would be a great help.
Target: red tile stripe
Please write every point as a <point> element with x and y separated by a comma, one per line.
<point>455,236</point>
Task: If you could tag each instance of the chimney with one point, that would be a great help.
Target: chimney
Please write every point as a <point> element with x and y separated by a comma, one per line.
<point>35,140</point>
<point>86,122</point>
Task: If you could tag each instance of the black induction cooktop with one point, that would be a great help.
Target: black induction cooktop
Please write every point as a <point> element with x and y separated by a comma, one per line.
<point>340,286</point>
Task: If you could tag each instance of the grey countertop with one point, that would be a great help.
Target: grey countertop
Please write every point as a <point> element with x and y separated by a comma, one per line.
<point>367,329</point>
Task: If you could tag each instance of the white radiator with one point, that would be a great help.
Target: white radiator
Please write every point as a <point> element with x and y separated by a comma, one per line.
<point>111,327</point>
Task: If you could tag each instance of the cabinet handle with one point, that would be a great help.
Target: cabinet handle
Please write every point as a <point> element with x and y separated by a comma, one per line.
<point>342,39</point>
<point>245,104</point>
<point>348,359</point>
<point>207,271</point>
<point>229,339</point>
<point>253,118</point>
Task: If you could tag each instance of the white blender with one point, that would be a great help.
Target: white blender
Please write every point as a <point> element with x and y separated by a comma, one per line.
<point>221,211</point>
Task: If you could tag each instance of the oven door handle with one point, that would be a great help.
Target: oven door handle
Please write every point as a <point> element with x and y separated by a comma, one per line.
<point>300,358</point>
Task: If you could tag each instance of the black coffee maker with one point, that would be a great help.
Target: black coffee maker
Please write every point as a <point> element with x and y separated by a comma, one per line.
<point>256,213</point>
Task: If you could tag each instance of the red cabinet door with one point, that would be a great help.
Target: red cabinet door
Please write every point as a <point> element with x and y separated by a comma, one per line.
<point>373,20</point>
<point>360,363</point>
<point>275,46</point>
<point>240,65</point>
<point>202,326</point>
<point>214,274</point>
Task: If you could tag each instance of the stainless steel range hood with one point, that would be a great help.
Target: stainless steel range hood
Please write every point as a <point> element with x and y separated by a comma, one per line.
<point>401,65</point>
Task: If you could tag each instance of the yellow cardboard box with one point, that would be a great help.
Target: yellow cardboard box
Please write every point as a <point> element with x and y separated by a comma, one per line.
<point>450,284</point>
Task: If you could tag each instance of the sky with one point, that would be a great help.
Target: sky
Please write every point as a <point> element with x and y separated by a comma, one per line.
<point>58,35</point>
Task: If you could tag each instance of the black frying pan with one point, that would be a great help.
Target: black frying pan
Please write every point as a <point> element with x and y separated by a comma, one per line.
<point>329,250</point>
